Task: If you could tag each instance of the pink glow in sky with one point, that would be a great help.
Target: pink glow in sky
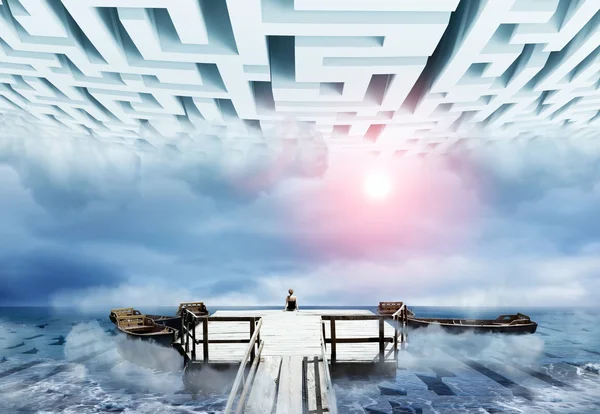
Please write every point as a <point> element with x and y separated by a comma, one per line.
<point>420,202</point>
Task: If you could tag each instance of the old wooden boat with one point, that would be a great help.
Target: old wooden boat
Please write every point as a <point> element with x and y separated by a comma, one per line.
<point>197,308</point>
<point>119,312</point>
<point>144,328</point>
<point>506,324</point>
<point>389,308</point>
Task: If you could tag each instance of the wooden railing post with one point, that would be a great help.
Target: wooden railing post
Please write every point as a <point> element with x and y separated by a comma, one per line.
<point>205,340</point>
<point>381,341</point>
<point>258,338</point>
<point>333,344</point>
<point>253,352</point>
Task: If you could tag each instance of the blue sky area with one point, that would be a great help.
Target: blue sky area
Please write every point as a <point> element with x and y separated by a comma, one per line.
<point>90,224</point>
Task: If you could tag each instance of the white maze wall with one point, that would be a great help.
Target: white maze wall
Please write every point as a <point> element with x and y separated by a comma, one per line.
<point>383,76</point>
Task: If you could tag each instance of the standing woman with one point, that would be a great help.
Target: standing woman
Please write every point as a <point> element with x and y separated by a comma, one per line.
<point>291,302</point>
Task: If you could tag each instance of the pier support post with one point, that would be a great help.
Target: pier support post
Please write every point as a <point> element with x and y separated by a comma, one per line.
<point>253,352</point>
<point>186,339</point>
<point>194,341</point>
<point>205,340</point>
<point>333,343</point>
<point>381,342</point>
<point>396,340</point>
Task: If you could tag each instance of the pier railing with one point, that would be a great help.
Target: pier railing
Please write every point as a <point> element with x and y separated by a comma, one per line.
<point>399,319</point>
<point>189,341</point>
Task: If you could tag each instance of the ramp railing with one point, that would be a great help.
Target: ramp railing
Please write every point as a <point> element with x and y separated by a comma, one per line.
<point>241,377</point>
<point>331,399</point>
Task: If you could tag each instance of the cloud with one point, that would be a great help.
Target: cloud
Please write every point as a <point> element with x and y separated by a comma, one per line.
<point>511,174</point>
<point>230,179</point>
<point>68,174</point>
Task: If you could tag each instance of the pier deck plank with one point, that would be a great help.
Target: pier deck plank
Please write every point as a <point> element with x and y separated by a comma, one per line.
<point>264,389</point>
<point>312,388</point>
<point>289,395</point>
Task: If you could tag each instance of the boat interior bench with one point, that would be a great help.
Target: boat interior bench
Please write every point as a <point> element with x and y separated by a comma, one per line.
<point>126,312</point>
<point>132,321</point>
<point>389,308</point>
<point>194,307</point>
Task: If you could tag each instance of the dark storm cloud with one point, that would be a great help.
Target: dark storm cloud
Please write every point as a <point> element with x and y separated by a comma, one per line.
<point>32,277</point>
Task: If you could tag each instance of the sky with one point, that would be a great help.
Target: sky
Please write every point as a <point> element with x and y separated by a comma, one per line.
<point>89,224</point>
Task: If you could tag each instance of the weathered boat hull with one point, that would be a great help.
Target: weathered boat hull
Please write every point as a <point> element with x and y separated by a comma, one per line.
<point>160,338</point>
<point>170,321</point>
<point>155,318</point>
<point>451,327</point>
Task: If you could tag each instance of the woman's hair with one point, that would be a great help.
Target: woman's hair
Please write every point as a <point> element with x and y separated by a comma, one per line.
<point>291,291</point>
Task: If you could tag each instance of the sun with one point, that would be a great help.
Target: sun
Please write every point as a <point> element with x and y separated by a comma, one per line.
<point>377,186</point>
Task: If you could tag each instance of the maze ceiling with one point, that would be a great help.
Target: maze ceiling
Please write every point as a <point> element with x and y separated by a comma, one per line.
<point>381,76</point>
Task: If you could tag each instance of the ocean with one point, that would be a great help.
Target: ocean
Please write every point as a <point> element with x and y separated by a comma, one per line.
<point>63,361</point>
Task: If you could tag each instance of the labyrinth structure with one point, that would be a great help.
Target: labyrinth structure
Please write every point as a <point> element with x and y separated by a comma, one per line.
<point>388,77</point>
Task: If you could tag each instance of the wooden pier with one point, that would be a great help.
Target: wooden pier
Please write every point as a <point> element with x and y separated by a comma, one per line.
<point>291,354</point>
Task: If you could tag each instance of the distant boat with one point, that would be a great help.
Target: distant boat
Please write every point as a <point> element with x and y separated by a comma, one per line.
<point>506,324</point>
<point>144,328</point>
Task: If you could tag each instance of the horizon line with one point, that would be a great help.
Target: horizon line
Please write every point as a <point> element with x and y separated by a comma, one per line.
<point>304,306</point>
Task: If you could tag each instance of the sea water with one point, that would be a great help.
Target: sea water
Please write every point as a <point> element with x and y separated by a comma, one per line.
<point>62,361</point>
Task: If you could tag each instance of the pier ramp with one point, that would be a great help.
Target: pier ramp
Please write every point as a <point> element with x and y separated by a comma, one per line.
<point>285,360</point>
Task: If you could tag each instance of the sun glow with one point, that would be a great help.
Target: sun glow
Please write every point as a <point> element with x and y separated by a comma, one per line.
<point>378,185</point>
